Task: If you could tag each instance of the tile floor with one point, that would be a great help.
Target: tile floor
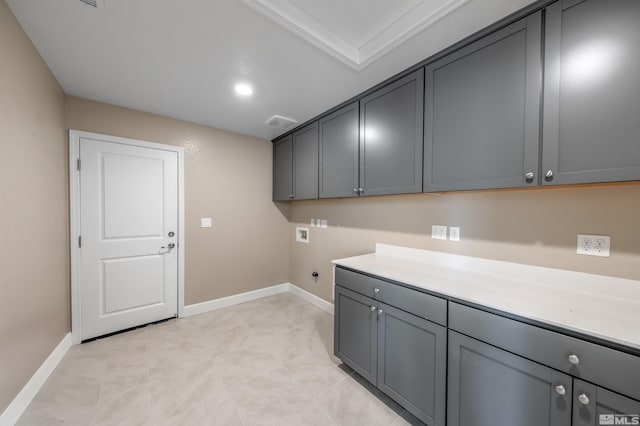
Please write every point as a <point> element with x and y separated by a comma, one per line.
<point>266,362</point>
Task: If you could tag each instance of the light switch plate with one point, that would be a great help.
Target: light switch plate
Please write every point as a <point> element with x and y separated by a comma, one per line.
<point>323,223</point>
<point>454,233</point>
<point>313,222</point>
<point>439,232</point>
<point>205,222</point>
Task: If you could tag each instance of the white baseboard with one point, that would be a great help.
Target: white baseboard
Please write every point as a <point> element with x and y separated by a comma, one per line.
<point>212,305</point>
<point>13,412</point>
<point>311,298</point>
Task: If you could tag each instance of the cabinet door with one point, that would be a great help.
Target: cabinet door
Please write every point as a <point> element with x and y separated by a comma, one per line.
<point>305,162</point>
<point>592,95</point>
<point>391,137</point>
<point>412,363</point>
<point>595,406</point>
<point>283,169</point>
<point>339,153</point>
<point>489,386</point>
<point>355,332</point>
<point>482,112</point>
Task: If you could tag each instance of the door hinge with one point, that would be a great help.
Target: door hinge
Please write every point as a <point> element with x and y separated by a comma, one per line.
<point>80,241</point>
<point>78,164</point>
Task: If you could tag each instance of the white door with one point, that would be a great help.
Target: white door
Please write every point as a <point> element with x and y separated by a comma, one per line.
<point>128,229</point>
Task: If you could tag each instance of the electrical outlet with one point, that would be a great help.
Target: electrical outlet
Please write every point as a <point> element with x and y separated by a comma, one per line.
<point>454,233</point>
<point>439,232</point>
<point>594,245</point>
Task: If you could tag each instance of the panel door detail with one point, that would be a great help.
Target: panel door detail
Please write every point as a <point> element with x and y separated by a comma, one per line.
<point>305,163</point>
<point>355,332</point>
<point>592,95</point>
<point>412,363</point>
<point>488,386</point>
<point>128,208</point>
<point>594,406</point>
<point>482,108</point>
<point>391,121</point>
<point>339,153</point>
<point>283,169</point>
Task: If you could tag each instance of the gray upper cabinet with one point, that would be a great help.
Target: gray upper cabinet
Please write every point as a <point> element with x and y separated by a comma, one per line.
<point>305,163</point>
<point>283,169</point>
<point>591,95</point>
<point>482,112</point>
<point>391,121</point>
<point>489,386</point>
<point>295,165</point>
<point>339,153</point>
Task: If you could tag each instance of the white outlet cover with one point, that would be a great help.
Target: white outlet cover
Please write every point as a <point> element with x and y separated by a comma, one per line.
<point>594,245</point>
<point>439,232</point>
<point>454,233</point>
<point>313,222</point>
<point>206,222</point>
<point>323,223</point>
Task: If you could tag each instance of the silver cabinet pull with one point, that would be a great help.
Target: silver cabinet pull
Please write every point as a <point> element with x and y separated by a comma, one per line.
<point>573,359</point>
<point>379,311</point>
<point>376,290</point>
<point>584,399</point>
<point>560,390</point>
<point>355,190</point>
<point>372,308</point>
<point>529,175</point>
<point>360,190</point>
<point>548,176</point>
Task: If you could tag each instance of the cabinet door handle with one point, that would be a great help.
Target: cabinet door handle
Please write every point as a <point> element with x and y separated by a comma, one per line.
<point>379,311</point>
<point>372,308</point>
<point>355,190</point>
<point>548,176</point>
<point>573,359</point>
<point>584,399</point>
<point>529,177</point>
<point>360,190</point>
<point>560,390</point>
<point>376,290</point>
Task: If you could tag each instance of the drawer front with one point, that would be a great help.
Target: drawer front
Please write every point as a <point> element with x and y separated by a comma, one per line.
<point>610,368</point>
<point>415,302</point>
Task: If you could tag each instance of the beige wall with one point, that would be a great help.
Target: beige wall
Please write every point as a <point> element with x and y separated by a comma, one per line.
<point>227,178</point>
<point>34,249</point>
<point>537,227</point>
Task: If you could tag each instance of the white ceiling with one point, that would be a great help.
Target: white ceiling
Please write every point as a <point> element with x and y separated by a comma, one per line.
<point>181,58</point>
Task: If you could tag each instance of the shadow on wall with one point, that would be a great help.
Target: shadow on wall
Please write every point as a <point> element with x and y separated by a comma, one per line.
<point>550,217</point>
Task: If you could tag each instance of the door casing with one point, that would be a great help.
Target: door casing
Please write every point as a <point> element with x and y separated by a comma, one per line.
<point>74,219</point>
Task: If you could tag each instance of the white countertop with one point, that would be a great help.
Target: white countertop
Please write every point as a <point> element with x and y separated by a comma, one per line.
<point>600,306</point>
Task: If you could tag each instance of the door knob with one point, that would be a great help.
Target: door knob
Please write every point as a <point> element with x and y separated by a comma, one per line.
<point>169,246</point>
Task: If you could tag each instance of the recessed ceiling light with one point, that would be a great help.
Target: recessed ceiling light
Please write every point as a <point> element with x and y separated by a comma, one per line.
<point>244,89</point>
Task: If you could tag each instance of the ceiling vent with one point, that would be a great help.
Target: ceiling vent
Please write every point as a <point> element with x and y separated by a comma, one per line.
<point>281,122</point>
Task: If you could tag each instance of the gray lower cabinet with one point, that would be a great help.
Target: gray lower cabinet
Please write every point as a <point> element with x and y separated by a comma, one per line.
<point>391,131</point>
<point>595,406</point>
<point>482,112</point>
<point>591,93</point>
<point>355,332</point>
<point>412,363</point>
<point>402,354</point>
<point>295,165</point>
<point>489,386</point>
<point>339,153</point>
